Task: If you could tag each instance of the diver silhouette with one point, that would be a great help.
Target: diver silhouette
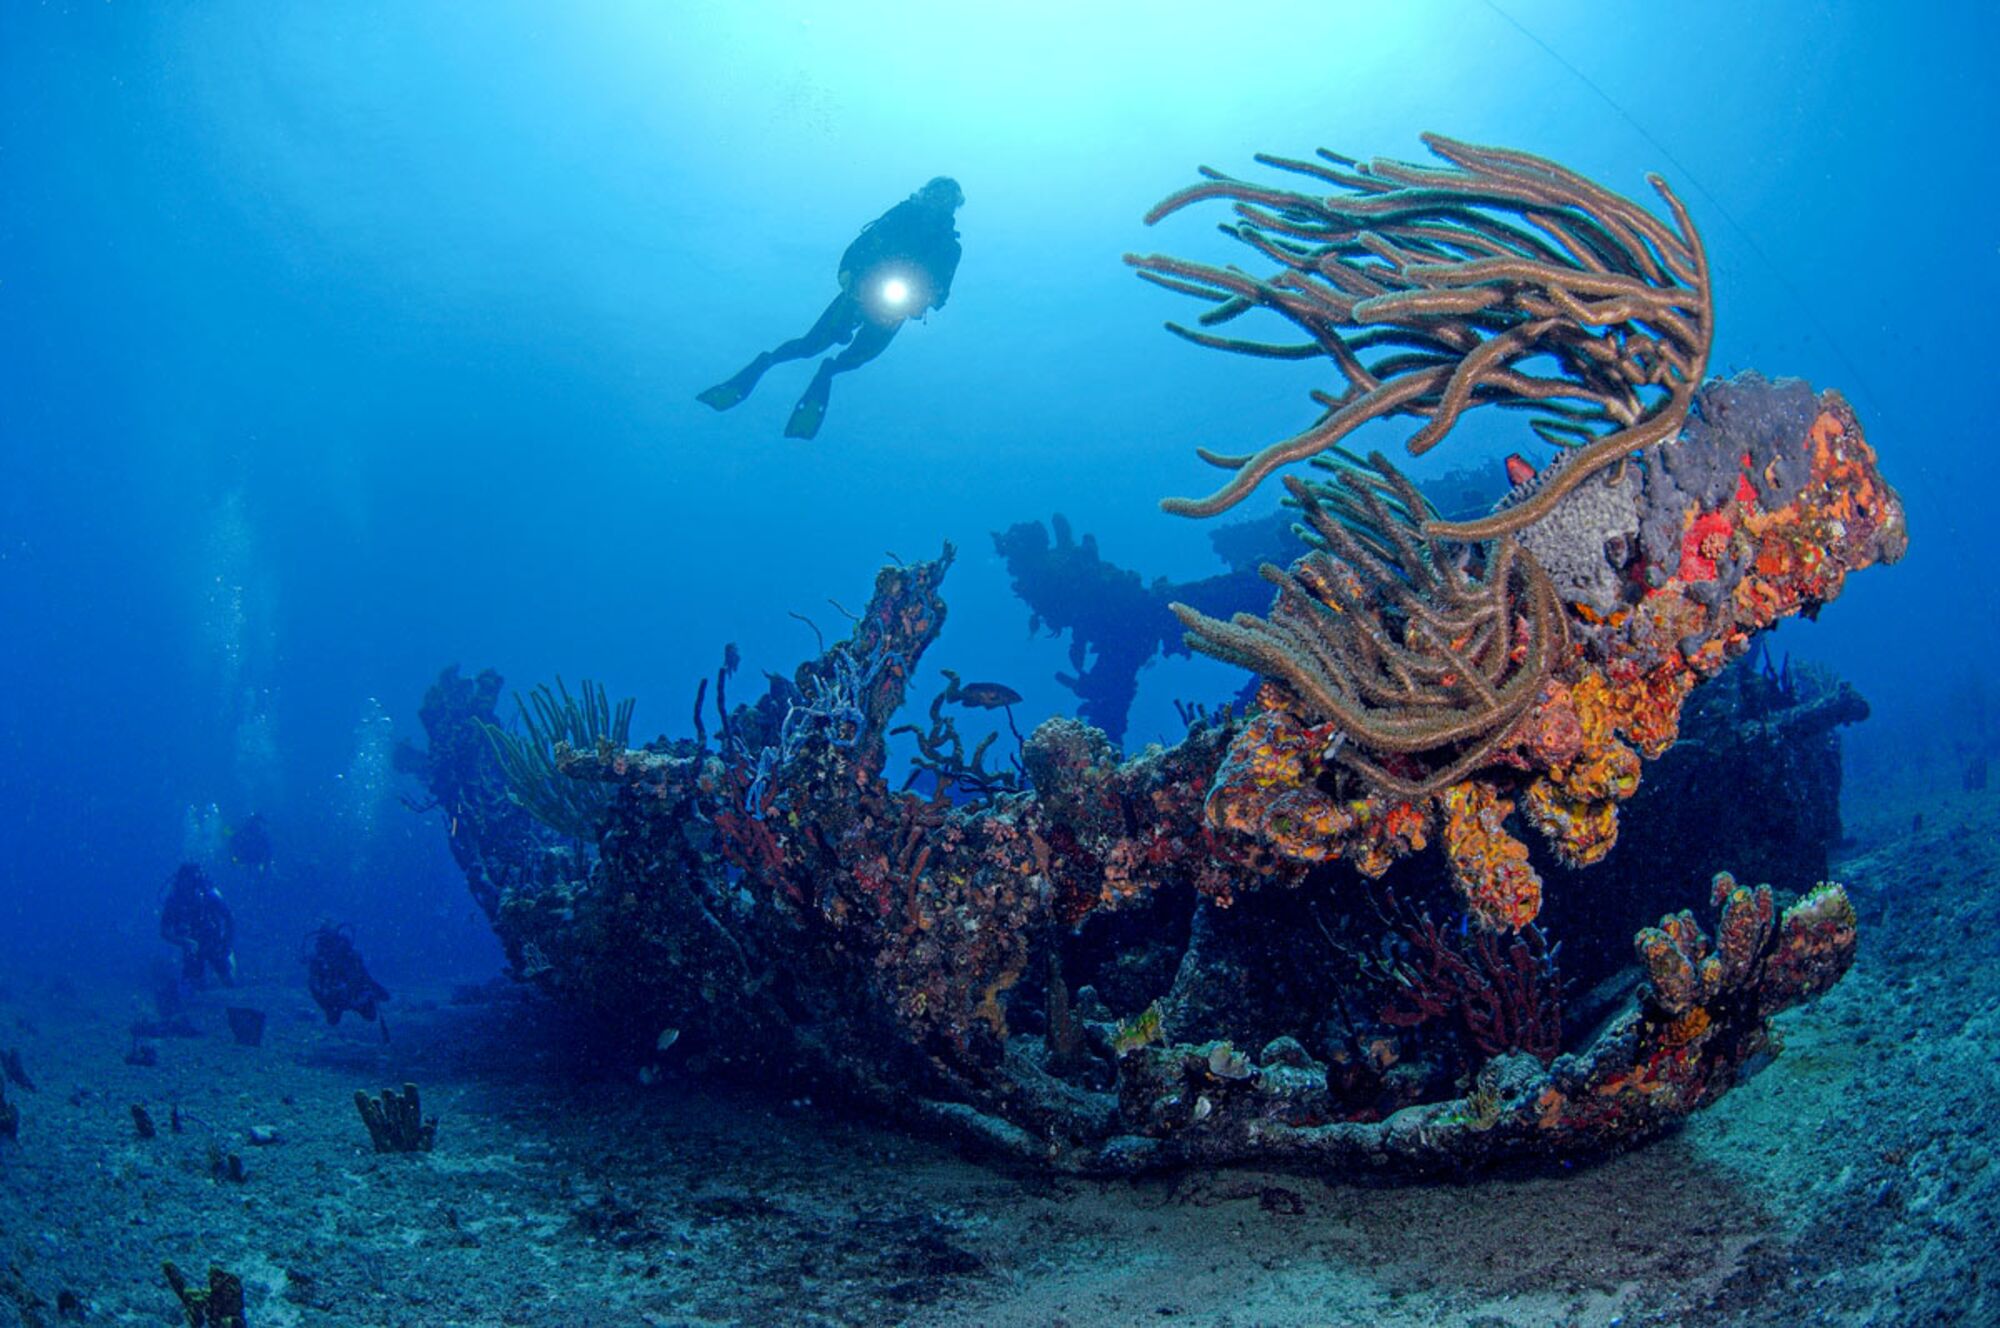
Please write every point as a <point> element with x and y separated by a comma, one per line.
<point>338,978</point>
<point>898,267</point>
<point>250,844</point>
<point>195,918</point>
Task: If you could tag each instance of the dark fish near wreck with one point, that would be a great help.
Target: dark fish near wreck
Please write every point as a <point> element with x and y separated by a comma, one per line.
<point>987,695</point>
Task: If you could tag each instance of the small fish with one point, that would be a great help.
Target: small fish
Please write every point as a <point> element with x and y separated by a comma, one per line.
<point>988,695</point>
<point>1519,472</point>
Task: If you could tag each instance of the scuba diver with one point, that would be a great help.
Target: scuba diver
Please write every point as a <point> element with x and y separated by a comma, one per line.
<point>339,980</point>
<point>250,844</point>
<point>898,267</point>
<point>194,918</point>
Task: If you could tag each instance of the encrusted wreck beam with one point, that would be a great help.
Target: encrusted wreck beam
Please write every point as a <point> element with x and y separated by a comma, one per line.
<point>493,839</point>
<point>1677,1048</point>
<point>892,978</point>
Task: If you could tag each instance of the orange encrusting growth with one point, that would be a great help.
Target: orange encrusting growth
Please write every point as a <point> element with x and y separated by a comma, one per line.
<point>1576,753</point>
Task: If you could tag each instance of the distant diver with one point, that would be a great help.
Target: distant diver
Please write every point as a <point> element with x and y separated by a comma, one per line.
<point>339,980</point>
<point>195,918</point>
<point>898,267</point>
<point>250,844</point>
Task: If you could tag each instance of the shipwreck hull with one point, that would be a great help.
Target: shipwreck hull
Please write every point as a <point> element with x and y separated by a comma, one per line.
<point>1178,957</point>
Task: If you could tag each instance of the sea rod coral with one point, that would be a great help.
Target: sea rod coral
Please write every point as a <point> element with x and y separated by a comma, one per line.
<point>1387,633</point>
<point>1458,282</point>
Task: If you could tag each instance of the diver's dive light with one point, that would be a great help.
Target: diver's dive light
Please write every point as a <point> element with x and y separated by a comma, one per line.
<point>895,294</point>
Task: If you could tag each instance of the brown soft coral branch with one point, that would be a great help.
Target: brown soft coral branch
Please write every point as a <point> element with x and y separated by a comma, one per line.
<point>1462,275</point>
<point>1424,651</point>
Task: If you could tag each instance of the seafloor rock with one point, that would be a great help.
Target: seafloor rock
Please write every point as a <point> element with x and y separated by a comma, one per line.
<point>1095,975</point>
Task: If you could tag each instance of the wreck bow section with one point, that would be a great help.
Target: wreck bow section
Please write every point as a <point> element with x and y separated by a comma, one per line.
<point>1170,958</point>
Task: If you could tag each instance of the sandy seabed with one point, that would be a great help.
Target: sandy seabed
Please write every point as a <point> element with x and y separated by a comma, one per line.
<point>1851,1182</point>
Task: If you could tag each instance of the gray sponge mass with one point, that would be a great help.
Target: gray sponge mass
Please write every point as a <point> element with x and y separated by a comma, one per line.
<point>1586,537</point>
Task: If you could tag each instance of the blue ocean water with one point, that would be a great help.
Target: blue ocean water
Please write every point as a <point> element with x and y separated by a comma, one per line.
<point>341,343</point>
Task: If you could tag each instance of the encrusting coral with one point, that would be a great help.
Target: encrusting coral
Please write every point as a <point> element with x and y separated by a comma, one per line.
<point>795,912</point>
<point>1781,490</point>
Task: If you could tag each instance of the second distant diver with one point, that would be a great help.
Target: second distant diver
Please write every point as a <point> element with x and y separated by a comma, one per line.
<point>339,980</point>
<point>194,918</point>
<point>899,266</point>
<point>250,844</point>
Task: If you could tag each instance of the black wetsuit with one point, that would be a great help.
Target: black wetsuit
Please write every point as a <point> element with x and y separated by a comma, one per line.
<point>338,979</point>
<point>913,241</point>
<point>196,919</point>
<point>908,237</point>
